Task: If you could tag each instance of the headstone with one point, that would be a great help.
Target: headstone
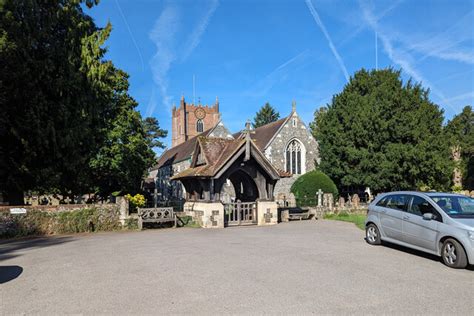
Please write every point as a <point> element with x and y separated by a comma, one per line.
<point>355,201</point>
<point>341,202</point>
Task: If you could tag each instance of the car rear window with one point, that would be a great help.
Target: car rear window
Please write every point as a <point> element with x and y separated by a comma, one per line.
<point>397,202</point>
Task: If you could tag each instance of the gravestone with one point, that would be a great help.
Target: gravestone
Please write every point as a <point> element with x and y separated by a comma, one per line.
<point>355,201</point>
<point>341,202</point>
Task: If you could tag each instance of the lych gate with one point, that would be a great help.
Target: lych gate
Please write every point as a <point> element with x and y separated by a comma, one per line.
<point>216,162</point>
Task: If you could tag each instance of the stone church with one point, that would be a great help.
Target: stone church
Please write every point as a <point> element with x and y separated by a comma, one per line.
<point>281,151</point>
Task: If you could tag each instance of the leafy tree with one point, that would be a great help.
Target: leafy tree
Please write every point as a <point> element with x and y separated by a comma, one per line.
<point>127,152</point>
<point>267,114</point>
<point>382,133</point>
<point>460,133</point>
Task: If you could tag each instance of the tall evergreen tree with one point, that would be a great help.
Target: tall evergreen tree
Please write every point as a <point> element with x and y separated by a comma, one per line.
<point>382,133</point>
<point>460,133</point>
<point>267,114</point>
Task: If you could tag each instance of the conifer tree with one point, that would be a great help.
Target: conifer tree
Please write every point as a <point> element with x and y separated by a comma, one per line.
<point>266,115</point>
<point>382,133</point>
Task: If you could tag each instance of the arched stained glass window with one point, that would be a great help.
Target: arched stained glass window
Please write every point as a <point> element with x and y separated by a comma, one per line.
<point>199,126</point>
<point>294,157</point>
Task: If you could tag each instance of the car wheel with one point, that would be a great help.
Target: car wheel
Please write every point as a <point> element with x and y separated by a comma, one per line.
<point>453,254</point>
<point>372,235</point>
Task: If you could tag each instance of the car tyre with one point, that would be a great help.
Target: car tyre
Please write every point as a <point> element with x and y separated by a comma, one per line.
<point>372,234</point>
<point>453,254</point>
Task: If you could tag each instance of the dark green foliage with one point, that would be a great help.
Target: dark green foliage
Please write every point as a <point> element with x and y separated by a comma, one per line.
<point>38,223</point>
<point>305,188</point>
<point>381,133</point>
<point>63,106</point>
<point>154,132</point>
<point>267,114</point>
<point>460,132</point>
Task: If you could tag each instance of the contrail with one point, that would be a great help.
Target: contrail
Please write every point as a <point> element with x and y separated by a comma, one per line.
<point>131,34</point>
<point>318,21</point>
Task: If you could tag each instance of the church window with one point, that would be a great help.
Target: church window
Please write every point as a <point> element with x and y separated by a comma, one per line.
<point>294,122</point>
<point>294,157</point>
<point>200,126</point>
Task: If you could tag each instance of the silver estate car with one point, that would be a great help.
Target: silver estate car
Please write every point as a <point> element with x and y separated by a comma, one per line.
<point>438,223</point>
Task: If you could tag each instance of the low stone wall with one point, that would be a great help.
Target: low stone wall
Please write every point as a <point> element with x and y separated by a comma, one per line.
<point>63,219</point>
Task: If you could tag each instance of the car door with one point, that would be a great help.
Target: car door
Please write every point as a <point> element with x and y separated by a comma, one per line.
<point>391,216</point>
<point>418,231</point>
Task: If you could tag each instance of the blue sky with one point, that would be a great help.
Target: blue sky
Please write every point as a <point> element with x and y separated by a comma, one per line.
<point>250,52</point>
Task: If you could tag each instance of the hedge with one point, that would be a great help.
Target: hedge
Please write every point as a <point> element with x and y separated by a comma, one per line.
<point>306,187</point>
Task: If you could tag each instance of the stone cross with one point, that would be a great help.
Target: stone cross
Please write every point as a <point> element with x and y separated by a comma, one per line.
<point>320,198</point>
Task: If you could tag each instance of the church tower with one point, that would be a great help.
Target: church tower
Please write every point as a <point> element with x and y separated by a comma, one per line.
<point>190,120</point>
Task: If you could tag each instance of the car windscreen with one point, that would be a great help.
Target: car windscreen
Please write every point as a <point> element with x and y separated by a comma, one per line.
<point>455,206</point>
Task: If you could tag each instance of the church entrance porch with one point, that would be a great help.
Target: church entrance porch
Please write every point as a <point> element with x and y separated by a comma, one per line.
<point>220,162</point>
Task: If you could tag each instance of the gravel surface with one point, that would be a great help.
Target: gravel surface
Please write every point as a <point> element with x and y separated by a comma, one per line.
<point>291,268</point>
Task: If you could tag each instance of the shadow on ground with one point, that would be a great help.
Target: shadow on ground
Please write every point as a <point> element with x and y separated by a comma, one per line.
<point>8,273</point>
<point>10,248</point>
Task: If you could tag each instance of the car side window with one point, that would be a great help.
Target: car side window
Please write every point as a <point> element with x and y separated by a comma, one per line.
<point>420,206</point>
<point>397,202</point>
<point>383,201</point>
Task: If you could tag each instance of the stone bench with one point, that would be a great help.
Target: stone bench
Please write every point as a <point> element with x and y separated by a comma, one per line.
<point>159,215</point>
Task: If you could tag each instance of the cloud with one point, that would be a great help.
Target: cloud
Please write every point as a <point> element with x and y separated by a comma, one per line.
<point>447,45</point>
<point>199,30</point>
<point>163,34</point>
<point>280,73</point>
<point>169,48</point>
<point>400,56</point>
<point>362,26</point>
<point>465,96</point>
<point>318,21</point>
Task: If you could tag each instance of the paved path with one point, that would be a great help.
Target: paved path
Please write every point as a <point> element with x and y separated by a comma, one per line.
<point>292,268</point>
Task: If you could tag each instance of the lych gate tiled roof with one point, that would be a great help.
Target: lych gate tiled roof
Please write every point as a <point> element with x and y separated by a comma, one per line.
<point>179,153</point>
<point>217,152</point>
<point>263,134</point>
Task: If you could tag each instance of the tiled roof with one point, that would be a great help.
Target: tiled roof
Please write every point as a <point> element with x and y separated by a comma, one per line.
<point>217,152</point>
<point>178,153</point>
<point>263,134</point>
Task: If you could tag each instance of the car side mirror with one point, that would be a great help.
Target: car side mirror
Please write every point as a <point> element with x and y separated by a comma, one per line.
<point>428,216</point>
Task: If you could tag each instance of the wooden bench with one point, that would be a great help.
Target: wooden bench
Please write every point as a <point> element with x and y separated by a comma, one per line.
<point>158,215</point>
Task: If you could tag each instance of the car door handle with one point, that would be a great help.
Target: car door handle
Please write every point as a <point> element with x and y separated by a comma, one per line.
<point>383,212</point>
<point>406,217</point>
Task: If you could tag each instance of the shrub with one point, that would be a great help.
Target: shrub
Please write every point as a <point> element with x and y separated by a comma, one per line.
<point>136,201</point>
<point>306,187</point>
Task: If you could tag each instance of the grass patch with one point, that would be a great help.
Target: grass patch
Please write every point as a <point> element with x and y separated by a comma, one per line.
<point>358,219</point>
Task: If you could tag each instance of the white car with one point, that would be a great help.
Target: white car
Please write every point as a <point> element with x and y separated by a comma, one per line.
<point>438,223</point>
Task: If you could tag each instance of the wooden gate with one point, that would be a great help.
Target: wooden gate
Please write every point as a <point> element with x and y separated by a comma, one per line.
<point>240,213</point>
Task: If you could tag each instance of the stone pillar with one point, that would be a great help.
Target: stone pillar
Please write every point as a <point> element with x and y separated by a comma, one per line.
<point>207,214</point>
<point>267,213</point>
<point>122,203</point>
